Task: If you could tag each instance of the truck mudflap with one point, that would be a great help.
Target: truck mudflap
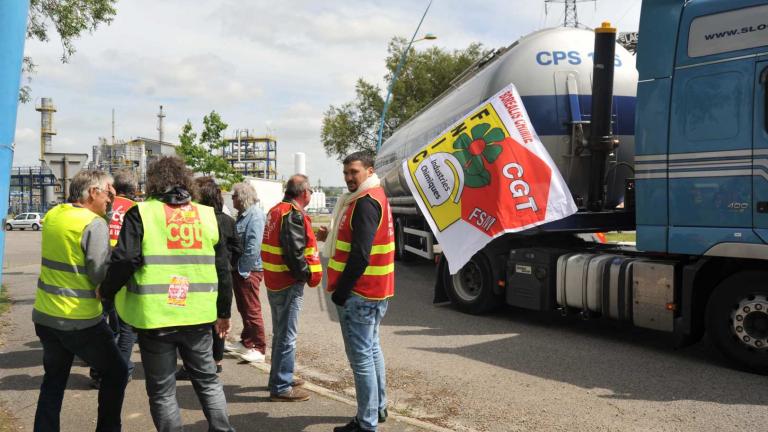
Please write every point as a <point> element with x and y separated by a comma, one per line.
<point>653,295</point>
<point>440,295</point>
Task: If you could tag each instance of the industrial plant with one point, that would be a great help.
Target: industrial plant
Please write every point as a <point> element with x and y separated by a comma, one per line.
<point>36,188</point>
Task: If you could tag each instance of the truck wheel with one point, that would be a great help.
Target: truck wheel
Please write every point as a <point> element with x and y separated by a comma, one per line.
<point>401,254</point>
<point>737,320</point>
<point>471,289</point>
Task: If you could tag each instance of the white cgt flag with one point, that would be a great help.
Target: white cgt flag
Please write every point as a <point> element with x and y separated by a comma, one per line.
<point>486,175</point>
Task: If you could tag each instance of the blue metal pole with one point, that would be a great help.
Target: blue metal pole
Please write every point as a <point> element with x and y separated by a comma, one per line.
<point>394,78</point>
<point>13,22</point>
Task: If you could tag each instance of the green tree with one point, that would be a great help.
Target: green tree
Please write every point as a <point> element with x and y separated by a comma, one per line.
<point>70,18</point>
<point>425,75</point>
<point>201,153</point>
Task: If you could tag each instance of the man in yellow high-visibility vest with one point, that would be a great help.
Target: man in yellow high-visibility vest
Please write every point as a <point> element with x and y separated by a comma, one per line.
<point>67,311</point>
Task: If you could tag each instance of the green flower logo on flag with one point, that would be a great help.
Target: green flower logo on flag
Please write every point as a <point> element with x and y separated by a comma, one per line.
<point>472,151</point>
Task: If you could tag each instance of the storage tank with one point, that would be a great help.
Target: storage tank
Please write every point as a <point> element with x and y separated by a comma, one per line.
<point>317,201</point>
<point>552,70</point>
<point>300,163</point>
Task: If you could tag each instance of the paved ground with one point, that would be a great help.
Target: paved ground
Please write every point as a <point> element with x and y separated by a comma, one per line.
<point>510,371</point>
<point>249,405</point>
<point>517,370</point>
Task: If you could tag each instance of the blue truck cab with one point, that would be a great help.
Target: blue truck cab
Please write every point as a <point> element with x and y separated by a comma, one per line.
<point>701,141</point>
<point>701,166</point>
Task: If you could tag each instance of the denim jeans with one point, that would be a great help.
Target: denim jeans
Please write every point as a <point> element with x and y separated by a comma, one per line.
<point>360,319</point>
<point>158,356</point>
<point>286,305</point>
<point>95,346</point>
<point>125,337</point>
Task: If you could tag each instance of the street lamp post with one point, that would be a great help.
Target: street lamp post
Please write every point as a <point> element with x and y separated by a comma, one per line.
<point>428,36</point>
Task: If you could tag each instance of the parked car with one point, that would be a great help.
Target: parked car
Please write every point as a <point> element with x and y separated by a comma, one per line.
<point>24,221</point>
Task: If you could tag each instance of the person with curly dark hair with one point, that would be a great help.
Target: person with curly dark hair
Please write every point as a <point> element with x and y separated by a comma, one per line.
<point>168,257</point>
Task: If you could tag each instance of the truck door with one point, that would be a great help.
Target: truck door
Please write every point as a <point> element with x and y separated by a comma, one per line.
<point>710,155</point>
<point>760,143</point>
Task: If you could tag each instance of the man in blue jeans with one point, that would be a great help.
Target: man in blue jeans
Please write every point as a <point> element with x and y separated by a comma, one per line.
<point>290,259</point>
<point>361,271</point>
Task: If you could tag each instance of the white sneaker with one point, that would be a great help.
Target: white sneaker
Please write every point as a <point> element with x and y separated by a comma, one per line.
<point>253,356</point>
<point>237,348</point>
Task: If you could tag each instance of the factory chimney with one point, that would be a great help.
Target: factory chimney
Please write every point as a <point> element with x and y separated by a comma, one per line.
<point>160,117</point>
<point>47,131</point>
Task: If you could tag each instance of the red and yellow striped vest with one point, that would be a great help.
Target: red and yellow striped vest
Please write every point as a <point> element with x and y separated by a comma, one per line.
<point>378,280</point>
<point>120,206</point>
<point>277,276</point>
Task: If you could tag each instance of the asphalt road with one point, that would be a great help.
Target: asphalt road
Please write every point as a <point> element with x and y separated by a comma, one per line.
<point>520,370</point>
<point>516,370</point>
<point>245,386</point>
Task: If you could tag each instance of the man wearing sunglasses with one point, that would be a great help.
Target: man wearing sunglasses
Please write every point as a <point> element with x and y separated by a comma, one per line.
<point>67,312</point>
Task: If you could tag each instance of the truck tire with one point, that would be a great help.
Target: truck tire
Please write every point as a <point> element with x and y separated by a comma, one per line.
<point>401,254</point>
<point>737,320</point>
<point>471,289</point>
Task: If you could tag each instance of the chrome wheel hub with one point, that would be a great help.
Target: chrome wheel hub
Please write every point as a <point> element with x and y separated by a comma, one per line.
<point>750,322</point>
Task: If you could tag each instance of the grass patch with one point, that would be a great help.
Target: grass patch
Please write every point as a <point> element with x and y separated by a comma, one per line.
<point>620,236</point>
<point>5,301</point>
<point>320,219</point>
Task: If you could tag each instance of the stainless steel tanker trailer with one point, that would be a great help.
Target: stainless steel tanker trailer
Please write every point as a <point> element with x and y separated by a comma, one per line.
<point>552,70</point>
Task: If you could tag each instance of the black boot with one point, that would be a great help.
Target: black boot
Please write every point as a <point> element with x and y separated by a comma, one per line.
<point>352,426</point>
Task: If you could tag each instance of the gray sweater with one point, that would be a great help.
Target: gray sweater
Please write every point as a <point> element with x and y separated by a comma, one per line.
<point>95,244</point>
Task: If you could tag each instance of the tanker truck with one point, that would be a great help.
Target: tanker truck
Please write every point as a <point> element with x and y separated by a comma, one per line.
<point>673,146</point>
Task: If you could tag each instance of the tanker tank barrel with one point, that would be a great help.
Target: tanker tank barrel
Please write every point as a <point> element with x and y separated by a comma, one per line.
<point>552,70</point>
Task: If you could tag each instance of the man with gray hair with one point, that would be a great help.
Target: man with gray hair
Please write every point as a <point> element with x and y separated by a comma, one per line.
<point>249,273</point>
<point>67,311</point>
<point>291,260</point>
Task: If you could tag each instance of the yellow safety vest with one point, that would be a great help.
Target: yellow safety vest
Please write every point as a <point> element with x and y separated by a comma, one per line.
<point>177,285</point>
<point>64,290</point>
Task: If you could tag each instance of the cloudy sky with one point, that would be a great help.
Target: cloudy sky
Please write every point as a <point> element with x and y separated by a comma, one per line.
<point>269,66</point>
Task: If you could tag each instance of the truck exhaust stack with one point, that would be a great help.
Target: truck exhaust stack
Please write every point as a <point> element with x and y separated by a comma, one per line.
<point>601,138</point>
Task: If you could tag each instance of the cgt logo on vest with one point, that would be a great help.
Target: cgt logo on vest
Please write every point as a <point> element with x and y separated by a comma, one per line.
<point>183,229</point>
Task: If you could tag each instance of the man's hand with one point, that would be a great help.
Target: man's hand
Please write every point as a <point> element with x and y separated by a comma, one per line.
<point>322,233</point>
<point>222,327</point>
<point>98,292</point>
<point>339,298</point>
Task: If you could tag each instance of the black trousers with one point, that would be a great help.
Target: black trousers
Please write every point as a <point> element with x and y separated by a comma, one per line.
<point>96,346</point>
